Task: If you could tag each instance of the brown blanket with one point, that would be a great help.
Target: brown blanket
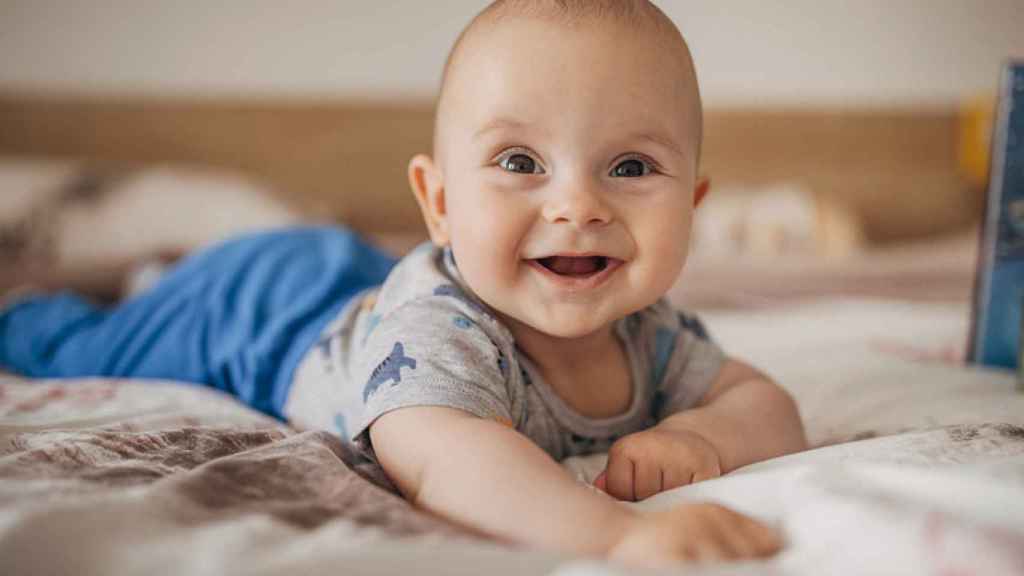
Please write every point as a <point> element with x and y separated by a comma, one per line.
<point>172,461</point>
<point>211,473</point>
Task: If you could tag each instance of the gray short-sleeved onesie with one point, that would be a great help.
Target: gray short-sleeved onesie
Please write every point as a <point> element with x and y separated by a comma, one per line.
<point>423,339</point>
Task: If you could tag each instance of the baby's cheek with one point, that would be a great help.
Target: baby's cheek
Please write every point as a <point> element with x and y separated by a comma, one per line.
<point>672,236</point>
<point>486,264</point>
<point>493,224</point>
<point>476,265</point>
<point>664,251</point>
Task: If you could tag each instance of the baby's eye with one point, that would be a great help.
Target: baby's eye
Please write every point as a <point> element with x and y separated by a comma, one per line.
<point>631,168</point>
<point>519,163</point>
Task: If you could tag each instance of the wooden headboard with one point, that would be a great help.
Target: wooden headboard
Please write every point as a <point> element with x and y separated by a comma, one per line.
<point>347,160</point>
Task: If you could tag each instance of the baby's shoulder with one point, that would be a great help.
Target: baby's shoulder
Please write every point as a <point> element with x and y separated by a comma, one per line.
<point>424,273</point>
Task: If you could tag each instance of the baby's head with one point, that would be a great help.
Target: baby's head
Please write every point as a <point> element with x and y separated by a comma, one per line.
<point>564,173</point>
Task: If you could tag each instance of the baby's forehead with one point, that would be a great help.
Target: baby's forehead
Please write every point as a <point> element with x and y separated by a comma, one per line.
<point>476,94</point>
<point>668,44</point>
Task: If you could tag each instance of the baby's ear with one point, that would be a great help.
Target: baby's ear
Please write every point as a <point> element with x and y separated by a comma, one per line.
<point>701,190</point>
<point>427,185</point>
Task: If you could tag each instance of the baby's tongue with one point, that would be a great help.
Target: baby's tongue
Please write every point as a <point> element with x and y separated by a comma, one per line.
<point>571,266</point>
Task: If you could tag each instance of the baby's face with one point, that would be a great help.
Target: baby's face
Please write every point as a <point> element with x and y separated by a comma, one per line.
<point>568,164</point>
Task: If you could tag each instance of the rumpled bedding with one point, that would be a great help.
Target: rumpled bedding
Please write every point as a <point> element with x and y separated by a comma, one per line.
<point>105,477</point>
<point>918,469</point>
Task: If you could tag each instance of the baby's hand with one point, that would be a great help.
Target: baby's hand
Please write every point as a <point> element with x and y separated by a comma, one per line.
<point>694,532</point>
<point>644,463</point>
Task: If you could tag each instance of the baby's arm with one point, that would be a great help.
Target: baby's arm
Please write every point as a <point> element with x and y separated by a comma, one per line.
<point>487,476</point>
<point>745,416</point>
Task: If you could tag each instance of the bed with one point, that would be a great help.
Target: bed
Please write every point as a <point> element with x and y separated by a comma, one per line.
<point>918,467</point>
<point>917,463</point>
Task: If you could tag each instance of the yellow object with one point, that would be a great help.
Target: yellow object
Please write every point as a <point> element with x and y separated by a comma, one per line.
<point>976,120</point>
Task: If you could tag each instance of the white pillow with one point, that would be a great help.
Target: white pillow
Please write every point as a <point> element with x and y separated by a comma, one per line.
<point>163,209</point>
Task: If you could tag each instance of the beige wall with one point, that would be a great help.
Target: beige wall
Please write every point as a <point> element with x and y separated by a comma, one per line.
<point>749,53</point>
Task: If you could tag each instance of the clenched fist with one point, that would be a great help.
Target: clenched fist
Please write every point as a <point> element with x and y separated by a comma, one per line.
<point>644,463</point>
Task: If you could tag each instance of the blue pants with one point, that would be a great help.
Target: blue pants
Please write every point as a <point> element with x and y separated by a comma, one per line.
<point>238,317</point>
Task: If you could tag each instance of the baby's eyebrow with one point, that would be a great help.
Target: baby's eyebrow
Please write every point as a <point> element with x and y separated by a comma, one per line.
<point>500,123</point>
<point>661,140</point>
<point>504,123</point>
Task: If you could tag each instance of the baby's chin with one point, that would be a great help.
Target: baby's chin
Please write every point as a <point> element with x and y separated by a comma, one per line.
<point>569,322</point>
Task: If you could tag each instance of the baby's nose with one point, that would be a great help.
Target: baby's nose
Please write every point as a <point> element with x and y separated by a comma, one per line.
<point>579,204</point>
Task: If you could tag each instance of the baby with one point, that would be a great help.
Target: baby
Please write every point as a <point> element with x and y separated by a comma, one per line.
<point>559,202</point>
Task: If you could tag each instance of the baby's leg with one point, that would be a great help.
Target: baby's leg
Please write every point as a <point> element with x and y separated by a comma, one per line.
<point>237,317</point>
<point>57,323</point>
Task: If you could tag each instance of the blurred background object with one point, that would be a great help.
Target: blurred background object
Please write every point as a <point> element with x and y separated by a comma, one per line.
<point>977,118</point>
<point>832,129</point>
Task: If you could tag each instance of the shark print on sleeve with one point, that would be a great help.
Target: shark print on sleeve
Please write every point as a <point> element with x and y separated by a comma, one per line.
<point>437,351</point>
<point>389,369</point>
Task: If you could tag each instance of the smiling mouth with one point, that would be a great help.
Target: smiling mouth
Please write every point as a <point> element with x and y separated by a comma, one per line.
<point>575,266</point>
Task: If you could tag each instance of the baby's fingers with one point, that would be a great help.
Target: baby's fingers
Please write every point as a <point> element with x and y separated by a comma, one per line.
<point>676,476</point>
<point>619,480</point>
<point>647,480</point>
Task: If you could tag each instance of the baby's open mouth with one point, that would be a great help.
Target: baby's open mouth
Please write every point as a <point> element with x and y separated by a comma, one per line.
<point>575,266</point>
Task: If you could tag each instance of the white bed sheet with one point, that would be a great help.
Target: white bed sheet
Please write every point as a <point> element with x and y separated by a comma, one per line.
<point>920,461</point>
<point>861,368</point>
